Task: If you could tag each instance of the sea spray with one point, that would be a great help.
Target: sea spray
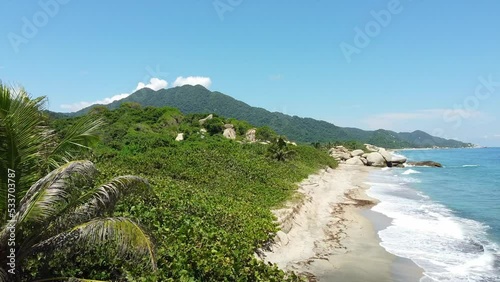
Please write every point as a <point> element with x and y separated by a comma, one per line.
<point>444,219</point>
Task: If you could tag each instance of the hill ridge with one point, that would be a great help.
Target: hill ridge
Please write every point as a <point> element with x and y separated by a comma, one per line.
<point>197,99</point>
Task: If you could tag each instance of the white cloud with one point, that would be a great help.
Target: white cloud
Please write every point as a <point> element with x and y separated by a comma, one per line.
<point>80,105</point>
<point>154,83</point>
<point>496,135</point>
<point>193,80</point>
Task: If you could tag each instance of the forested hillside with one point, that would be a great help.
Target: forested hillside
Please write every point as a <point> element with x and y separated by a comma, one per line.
<point>197,99</point>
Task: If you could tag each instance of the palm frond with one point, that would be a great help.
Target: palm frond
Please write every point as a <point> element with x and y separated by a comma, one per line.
<point>79,136</point>
<point>105,197</point>
<point>3,275</point>
<point>20,128</point>
<point>99,201</point>
<point>128,237</point>
<point>48,195</point>
<point>29,146</point>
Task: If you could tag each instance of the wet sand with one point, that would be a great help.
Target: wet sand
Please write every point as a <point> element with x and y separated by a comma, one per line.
<point>330,234</point>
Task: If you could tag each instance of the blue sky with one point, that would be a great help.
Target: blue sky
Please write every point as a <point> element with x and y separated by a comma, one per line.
<point>400,65</point>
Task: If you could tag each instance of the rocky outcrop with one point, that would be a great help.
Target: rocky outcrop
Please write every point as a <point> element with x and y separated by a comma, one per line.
<point>180,137</point>
<point>357,153</point>
<point>374,156</point>
<point>250,135</point>
<point>355,161</point>
<point>340,153</point>
<point>340,156</point>
<point>387,156</point>
<point>426,163</point>
<point>364,160</point>
<point>203,132</point>
<point>398,159</point>
<point>376,159</point>
<point>202,121</point>
<point>229,131</point>
<point>371,148</point>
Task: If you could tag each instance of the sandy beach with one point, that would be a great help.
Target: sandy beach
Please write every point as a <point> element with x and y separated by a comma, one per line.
<point>329,234</point>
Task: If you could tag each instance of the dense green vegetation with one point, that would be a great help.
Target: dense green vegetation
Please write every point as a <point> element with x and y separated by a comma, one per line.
<point>209,212</point>
<point>197,99</point>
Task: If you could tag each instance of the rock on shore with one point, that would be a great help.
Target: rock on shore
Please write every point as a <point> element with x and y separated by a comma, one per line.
<point>426,163</point>
<point>374,156</point>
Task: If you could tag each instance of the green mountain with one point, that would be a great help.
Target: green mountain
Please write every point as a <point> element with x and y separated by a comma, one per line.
<point>197,99</point>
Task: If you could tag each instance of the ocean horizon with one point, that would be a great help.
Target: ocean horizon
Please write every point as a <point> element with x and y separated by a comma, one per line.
<point>446,220</point>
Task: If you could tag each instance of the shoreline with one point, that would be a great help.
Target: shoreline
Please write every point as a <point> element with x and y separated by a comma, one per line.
<point>330,235</point>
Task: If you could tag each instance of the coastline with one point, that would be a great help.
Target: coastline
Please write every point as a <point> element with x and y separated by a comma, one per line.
<point>330,234</point>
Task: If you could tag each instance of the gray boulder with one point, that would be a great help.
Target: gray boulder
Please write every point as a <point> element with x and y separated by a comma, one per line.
<point>371,148</point>
<point>397,159</point>
<point>387,156</point>
<point>180,137</point>
<point>340,155</point>
<point>354,161</point>
<point>426,163</point>
<point>356,153</point>
<point>341,149</point>
<point>250,135</point>
<point>202,121</point>
<point>229,133</point>
<point>364,160</point>
<point>376,159</point>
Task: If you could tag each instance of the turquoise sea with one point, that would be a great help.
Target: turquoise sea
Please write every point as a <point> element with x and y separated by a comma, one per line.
<point>447,220</point>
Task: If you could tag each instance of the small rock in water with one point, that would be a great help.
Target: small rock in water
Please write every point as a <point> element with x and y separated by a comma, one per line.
<point>426,163</point>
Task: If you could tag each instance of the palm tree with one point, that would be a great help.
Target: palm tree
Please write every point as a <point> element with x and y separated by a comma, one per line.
<point>279,151</point>
<point>56,207</point>
<point>28,147</point>
<point>63,210</point>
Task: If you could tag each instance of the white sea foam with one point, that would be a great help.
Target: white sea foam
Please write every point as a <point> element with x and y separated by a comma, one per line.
<point>447,247</point>
<point>470,165</point>
<point>406,179</point>
<point>410,171</point>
